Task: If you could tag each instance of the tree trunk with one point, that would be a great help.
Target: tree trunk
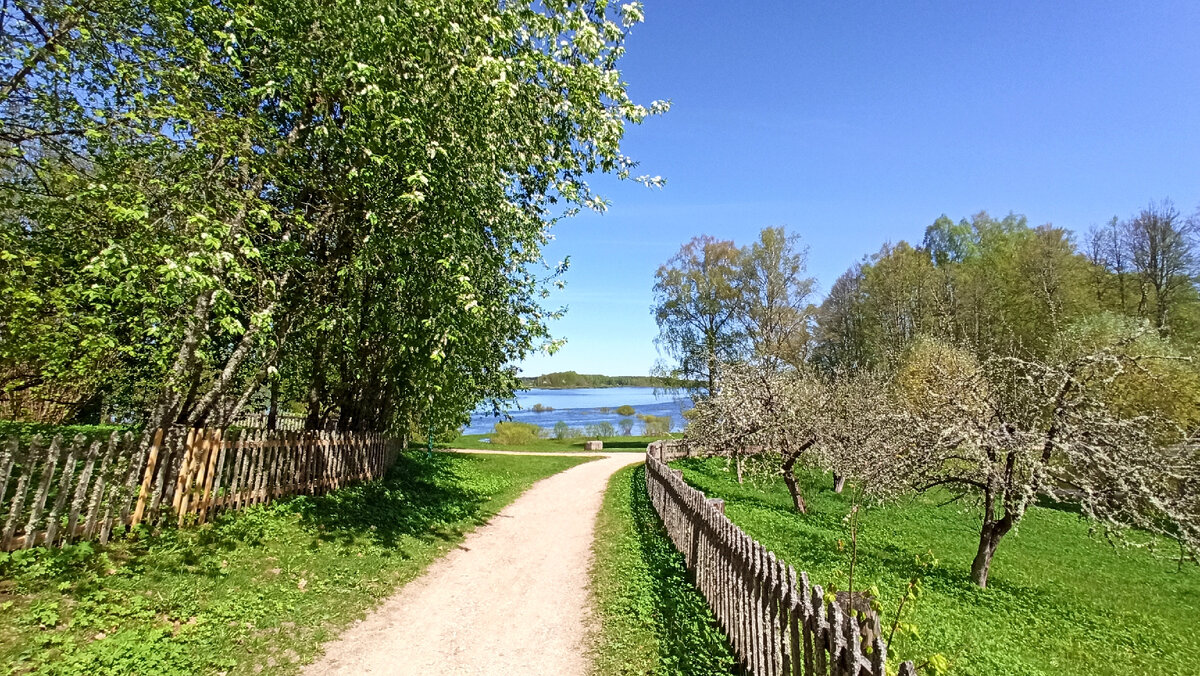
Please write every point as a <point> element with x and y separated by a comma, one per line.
<point>839,482</point>
<point>789,477</point>
<point>793,487</point>
<point>738,463</point>
<point>989,540</point>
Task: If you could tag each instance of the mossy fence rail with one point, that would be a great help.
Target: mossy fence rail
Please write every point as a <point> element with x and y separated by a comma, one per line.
<point>57,491</point>
<point>778,625</point>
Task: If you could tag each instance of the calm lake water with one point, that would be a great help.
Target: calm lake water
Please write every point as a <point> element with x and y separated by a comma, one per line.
<point>582,407</point>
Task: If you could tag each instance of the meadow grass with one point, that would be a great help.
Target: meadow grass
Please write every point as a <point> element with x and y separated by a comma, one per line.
<point>257,591</point>
<point>651,620</point>
<point>615,444</point>
<point>1059,600</point>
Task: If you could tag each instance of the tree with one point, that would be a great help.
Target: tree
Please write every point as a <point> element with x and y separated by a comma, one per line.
<point>775,293</point>
<point>773,415</point>
<point>1008,429</point>
<point>354,196</point>
<point>626,425</point>
<point>697,304</point>
<point>1162,250</point>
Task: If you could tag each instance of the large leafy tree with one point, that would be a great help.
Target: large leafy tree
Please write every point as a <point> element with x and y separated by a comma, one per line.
<point>698,306</point>
<point>348,200</point>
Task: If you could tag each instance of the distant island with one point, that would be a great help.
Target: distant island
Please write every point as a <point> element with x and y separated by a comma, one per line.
<point>564,380</point>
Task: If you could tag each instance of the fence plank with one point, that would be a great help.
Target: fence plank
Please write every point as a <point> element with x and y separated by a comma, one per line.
<point>8,458</point>
<point>81,487</point>
<point>64,488</point>
<point>18,501</point>
<point>39,497</point>
<point>147,479</point>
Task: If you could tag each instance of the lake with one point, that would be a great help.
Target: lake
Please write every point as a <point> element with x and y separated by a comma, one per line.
<point>582,407</point>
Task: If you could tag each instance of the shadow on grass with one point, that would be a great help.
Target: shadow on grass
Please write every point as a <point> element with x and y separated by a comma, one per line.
<point>611,444</point>
<point>689,639</point>
<point>420,497</point>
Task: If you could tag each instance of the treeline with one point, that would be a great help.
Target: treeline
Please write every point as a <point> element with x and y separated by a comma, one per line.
<point>996,360</point>
<point>1002,287</point>
<point>570,380</point>
<point>210,207</point>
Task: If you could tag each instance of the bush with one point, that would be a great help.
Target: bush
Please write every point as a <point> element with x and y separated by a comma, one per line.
<point>626,425</point>
<point>601,430</point>
<point>562,430</point>
<point>625,410</point>
<point>539,408</point>
<point>513,433</point>
<point>655,425</point>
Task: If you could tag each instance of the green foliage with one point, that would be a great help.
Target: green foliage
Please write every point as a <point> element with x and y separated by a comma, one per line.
<point>562,430</point>
<point>655,425</point>
<point>716,303</point>
<point>626,425</point>
<point>539,408</point>
<point>515,433</point>
<point>1064,602</point>
<point>998,286</point>
<point>625,409</point>
<point>257,589</point>
<point>348,199</point>
<point>601,430</point>
<point>25,431</point>
<point>652,620</point>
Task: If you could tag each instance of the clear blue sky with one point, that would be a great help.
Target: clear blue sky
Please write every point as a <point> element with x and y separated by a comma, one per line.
<point>859,123</point>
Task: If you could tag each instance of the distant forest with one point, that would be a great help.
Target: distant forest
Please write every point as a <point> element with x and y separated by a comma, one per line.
<point>570,379</point>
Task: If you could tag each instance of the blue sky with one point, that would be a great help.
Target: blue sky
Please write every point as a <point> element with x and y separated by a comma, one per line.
<point>859,123</point>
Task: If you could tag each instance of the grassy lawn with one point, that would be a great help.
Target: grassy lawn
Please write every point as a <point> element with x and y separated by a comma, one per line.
<point>257,591</point>
<point>651,619</point>
<point>475,441</point>
<point>1058,601</point>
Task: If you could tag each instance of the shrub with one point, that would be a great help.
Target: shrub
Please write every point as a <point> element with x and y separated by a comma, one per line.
<point>655,425</point>
<point>539,408</point>
<point>601,429</point>
<point>625,410</point>
<point>562,430</point>
<point>513,433</point>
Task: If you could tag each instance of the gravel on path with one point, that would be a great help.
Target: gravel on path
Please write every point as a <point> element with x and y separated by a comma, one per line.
<point>511,599</point>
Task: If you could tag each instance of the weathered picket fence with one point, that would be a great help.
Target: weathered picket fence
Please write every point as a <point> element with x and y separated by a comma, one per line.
<point>60,491</point>
<point>778,625</point>
<point>290,422</point>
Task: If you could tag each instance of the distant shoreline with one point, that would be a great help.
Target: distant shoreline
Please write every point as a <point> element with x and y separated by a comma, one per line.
<point>570,380</point>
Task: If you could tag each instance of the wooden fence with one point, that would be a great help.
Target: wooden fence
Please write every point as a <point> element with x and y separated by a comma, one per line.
<point>778,624</point>
<point>60,491</point>
<point>289,422</point>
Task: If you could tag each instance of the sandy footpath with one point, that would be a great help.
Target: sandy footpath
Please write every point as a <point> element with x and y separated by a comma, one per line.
<point>511,599</point>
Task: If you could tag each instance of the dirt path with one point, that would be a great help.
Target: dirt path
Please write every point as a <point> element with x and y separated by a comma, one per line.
<point>511,599</point>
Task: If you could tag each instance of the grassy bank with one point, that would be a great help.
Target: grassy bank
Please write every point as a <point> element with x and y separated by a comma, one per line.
<point>1058,601</point>
<point>651,619</point>
<point>475,441</point>
<point>255,592</point>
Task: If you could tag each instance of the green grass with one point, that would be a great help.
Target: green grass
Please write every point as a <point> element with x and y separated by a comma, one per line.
<point>651,619</point>
<point>258,589</point>
<point>1058,601</point>
<point>475,441</point>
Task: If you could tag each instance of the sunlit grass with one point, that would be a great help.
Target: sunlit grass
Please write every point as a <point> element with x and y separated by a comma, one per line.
<point>1059,601</point>
<point>259,590</point>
